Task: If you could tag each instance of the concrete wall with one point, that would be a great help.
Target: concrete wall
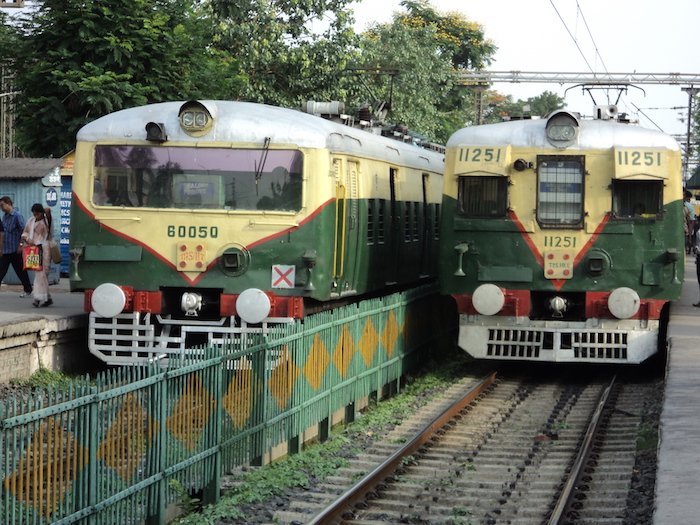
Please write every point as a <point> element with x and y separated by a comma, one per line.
<point>57,344</point>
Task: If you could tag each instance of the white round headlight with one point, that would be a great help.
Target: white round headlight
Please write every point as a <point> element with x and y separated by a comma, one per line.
<point>253,306</point>
<point>624,303</point>
<point>488,299</point>
<point>108,300</point>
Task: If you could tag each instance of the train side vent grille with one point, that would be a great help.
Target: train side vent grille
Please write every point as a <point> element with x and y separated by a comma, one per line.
<point>516,343</point>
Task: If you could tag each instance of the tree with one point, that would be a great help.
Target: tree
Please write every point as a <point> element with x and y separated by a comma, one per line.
<point>285,59</point>
<point>539,106</point>
<point>81,59</point>
<point>426,48</point>
<point>459,39</point>
<point>402,67</point>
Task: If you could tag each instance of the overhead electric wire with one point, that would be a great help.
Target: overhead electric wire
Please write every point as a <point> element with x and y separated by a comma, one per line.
<point>595,46</point>
<point>590,34</point>
<point>572,36</point>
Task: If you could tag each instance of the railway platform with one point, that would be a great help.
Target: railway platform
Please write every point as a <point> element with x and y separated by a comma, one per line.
<point>54,337</point>
<point>679,447</point>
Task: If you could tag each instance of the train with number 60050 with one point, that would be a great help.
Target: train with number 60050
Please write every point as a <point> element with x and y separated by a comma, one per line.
<point>195,219</point>
<point>562,237</point>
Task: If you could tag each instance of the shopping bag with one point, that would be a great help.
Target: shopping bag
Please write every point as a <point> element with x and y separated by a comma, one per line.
<point>56,256</point>
<point>31,255</point>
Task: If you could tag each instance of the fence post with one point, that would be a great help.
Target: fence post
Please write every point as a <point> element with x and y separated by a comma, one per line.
<point>93,443</point>
<point>210,493</point>
<point>156,503</point>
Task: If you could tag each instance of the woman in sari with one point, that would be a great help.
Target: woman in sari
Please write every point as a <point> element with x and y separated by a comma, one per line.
<point>38,232</point>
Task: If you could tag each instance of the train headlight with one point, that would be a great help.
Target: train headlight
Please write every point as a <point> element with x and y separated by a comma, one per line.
<point>253,306</point>
<point>488,299</point>
<point>108,300</point>
<point>191,304</point>
<point>624,303</point>
<point>195,119</point>
<point>562,129</point>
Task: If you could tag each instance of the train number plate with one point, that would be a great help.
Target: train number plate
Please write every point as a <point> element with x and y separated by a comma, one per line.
<point>192,256</point>
<point>558,264</point>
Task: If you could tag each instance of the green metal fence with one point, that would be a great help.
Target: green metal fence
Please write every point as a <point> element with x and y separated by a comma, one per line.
<point>104,451</point>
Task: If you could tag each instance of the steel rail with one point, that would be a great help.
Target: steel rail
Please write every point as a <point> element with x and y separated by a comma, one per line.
<point>364,487</point>
<point>584,451</point>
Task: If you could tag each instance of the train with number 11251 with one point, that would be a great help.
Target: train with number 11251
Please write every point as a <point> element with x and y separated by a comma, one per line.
<point>195,219</point>
<point>562,237</point>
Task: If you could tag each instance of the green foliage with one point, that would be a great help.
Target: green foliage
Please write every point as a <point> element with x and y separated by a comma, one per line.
<point>317,462</point>
<point>426,48</point>
<point>7,39</point>
<point>44,378</point>
<point>421,75</point>
<point>79,60</point>
<point>290,50</point>
<point>187,503</point>
<point>498,106</point>
<point>463,41</point>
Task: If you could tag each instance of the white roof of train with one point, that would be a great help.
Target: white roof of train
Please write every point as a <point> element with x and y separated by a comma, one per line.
<point>595,134</point>
<point>247,122</point>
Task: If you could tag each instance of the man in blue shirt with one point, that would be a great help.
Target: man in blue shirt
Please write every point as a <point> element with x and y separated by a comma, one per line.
<point>13,225</point>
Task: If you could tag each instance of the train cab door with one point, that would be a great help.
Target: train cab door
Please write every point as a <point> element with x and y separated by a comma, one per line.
<point>394,233</point>
<point>347,249</point>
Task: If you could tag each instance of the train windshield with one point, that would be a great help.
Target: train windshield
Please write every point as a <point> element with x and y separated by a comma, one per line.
<point>560,191</point>
<point>198,178</point>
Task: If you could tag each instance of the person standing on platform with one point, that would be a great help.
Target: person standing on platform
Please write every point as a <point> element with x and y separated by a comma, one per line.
<point>13,224</point>
<point>689,213</point>
<point>37,232</point>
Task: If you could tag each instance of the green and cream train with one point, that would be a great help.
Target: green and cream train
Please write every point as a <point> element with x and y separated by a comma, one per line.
<point>562,238</point>
<point>196,219</point>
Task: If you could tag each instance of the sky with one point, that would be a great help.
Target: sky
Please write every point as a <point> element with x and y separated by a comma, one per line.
<point>583,36</point>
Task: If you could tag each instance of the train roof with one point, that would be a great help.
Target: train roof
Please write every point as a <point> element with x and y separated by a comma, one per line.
<point>247,122</point>
<point>593,134</point>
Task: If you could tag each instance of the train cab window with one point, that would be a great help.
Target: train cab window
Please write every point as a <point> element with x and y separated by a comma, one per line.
<point>482,196</point>
<point>198,178</point>
<point>560,191</point>
<point>637,199</point>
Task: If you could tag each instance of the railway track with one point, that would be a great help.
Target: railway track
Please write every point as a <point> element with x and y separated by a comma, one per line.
<point>512,451</point>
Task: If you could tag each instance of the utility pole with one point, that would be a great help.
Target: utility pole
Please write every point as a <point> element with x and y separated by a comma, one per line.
<point>692,91</point>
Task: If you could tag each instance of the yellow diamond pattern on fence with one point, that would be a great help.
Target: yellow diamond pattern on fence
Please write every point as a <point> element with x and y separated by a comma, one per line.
<point>129,435</point>
<point>284,374</point>
<point>391,334</point>
<point>49,466</point>
<point>241,391</point>
<point>316,363</point>
<point>368,342</point>
<point>344,351</point>
<point>191,413</point>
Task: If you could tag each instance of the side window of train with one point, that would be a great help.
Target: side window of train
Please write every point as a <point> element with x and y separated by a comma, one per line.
<point>637,199</point>
<point>560,184</point>
<point>482,197</point>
